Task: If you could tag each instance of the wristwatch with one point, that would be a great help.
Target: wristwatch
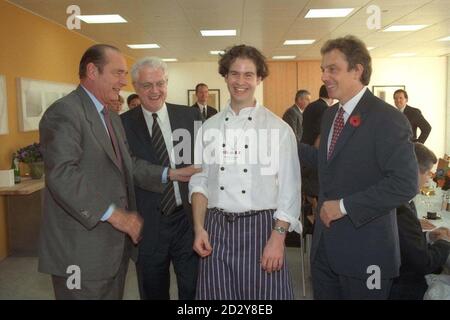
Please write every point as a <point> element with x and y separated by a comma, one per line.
<point>280,230</point>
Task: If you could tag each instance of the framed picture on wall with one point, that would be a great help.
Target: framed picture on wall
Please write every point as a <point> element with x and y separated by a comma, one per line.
<point>3,107</point>
<point>34,97</point>
<point>213,98</point>
<point>386,93</point>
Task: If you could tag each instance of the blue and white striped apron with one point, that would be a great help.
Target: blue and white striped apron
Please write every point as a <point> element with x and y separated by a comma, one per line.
<point>233,270</point>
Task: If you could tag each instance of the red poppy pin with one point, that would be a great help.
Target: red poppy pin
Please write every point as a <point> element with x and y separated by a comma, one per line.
<point>355,120</point>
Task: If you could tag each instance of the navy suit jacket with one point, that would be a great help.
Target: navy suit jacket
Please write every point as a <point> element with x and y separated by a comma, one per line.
<point>418,257</point>
<point>417,120</point>
<point>312,117</point>
<point>374,170</point>
<point>140,142</point>
<point>210,111</point>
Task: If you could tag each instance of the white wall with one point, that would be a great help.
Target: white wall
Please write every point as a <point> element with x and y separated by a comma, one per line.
<point>184,76</point>
<point>425,80</point>
<point>426,84</point>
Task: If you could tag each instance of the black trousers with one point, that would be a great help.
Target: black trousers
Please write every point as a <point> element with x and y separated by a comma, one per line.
<point>174,245</point>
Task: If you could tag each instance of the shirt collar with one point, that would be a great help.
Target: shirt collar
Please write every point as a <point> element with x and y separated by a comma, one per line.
<point>162,113</point>
<point>299,109</point>
<point>351,104</point>
<point>98,105</point>
<point>244,112</point>
<point>402,109</point>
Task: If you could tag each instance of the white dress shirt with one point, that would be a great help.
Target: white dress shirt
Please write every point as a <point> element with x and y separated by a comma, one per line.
<point>235,177</point>
<point>201,106</point>
<point>348,109</point>
<point>203,109</point>
<point>166,129</point>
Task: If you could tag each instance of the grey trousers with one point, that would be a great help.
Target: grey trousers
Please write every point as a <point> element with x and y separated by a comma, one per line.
<point>108,289</point>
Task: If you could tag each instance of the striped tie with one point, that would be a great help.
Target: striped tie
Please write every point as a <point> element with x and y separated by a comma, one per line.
<point>168,201</point>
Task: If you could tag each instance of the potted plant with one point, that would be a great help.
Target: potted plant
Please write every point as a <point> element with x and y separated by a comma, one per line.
<point>32,156</point>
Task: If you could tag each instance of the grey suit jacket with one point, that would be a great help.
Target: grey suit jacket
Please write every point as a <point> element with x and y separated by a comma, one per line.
<point>374,170</point>
<point>82,181</point>
<point>294,119</point>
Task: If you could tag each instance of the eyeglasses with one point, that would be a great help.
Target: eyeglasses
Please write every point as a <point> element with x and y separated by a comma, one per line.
<point>149,86</point>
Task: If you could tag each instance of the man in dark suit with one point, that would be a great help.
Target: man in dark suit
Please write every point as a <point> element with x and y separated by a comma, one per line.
<point>133,101</point>
<point>152,131</point>
<point>312,116</point>
<point>202,93</point>
<point>293,115</point>
<point>89,223</point>
<point>414,116</point>
<point>421,253</point>
<point>367,168</point>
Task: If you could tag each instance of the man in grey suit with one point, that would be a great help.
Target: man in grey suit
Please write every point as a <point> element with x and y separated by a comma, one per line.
<point>89,226</point>
<point>367,168</point>
<point>294,115</point>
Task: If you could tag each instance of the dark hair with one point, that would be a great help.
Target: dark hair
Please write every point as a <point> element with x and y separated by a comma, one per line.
<point>243,51</point>
<point>96,55</point>
<point>323,93</point>
<point>131,97</point>
<point>301,94</point>
<point>401,91</point>
<point>355,52</point>
<point>200,85</point>
<point>425,157</point>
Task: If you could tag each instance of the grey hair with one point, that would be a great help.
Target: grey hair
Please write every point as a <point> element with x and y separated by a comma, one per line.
<point>301,94</point>
<point>151,62</point>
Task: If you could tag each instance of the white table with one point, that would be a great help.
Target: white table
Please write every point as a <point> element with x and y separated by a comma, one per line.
<point>436,202</point>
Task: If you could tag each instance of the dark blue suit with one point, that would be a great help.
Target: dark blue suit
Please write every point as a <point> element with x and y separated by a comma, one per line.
<point>418,257</point>
<point>165,238</point>
<point>373,169</point>
<point>417,120</point>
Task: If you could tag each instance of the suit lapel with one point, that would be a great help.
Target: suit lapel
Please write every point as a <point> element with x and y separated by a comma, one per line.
<point>406,111</point>
<point>141,130</point>
<point>98,129</point>
<point>176,123</point>
<point>173,119</point>
<point>328,122</point>
<point>349,129</point>
<point>116,123</point>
